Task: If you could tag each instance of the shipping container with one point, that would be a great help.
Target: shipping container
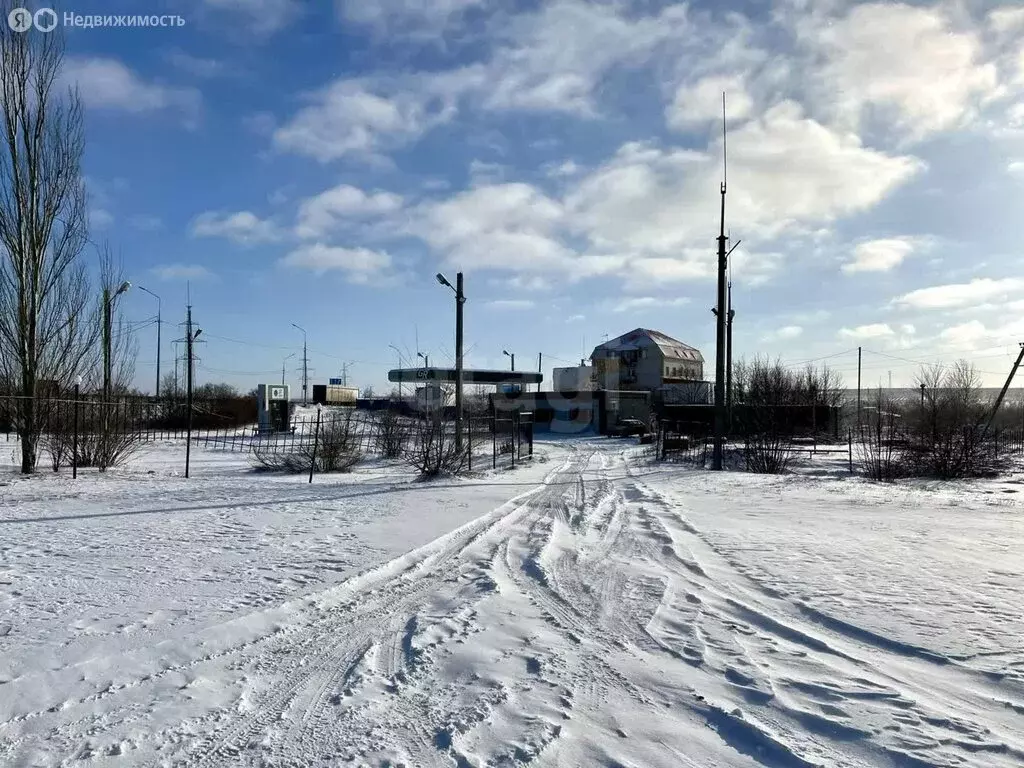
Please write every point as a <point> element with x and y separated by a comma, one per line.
<point>331,394</point>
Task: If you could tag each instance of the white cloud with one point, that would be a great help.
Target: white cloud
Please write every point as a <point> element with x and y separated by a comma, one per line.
<point>789,170</point>
<point>909,60</point>
<point>360,264</point>
<point>879,255</point>
<point>106,83</point>
<point>563,169</point>
<point>243,227</point>
<point>1006,20</point>
<point>575,318</point>
<point>961,294</point>
<point>348,118</point>
<point>510,304</point>
<point>871,331</point>
<point>100,218</point>
<point>199,66</point>
<point>504,226</point>
<point>168,272</point>
<point>146,223</point>
<point>644,214</point>
<point>554,59</point>
<point>319,215</point>
<point>647,302</point>
<point>964,335</point>
<point>784,333</point>
<point>1016,168</point>
<point>415,17</point>
<point>260,17</point>
<point>701,101</point>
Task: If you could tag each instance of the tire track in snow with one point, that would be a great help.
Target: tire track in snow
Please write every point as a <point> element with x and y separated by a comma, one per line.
<point>310,660</point>
<point>906,690</point>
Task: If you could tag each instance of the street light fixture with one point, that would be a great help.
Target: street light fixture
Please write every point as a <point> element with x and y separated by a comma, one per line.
<point>283,364</point>
<point>399,353</point>
<point>512,355</point>
<point>426,359</point>
<point>305,361</point>
<point>460,299</point>
<point>108,309</point>
<point>159,322</point>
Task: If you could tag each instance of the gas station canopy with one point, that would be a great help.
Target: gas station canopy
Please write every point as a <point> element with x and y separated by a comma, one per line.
<point>468,376</point>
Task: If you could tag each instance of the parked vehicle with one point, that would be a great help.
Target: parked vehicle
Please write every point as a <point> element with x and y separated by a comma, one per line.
<point>629,427</point>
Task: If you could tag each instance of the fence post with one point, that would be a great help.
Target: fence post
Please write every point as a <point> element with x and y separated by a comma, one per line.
<point>513,433</point>
<point>469,442</point>
<point>494,440</point>
<point>849,441</point>
<point>74,439</point>
<point>316,439</point>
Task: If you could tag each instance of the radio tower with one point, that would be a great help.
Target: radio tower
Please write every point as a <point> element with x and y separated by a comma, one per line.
<point>720,311</point>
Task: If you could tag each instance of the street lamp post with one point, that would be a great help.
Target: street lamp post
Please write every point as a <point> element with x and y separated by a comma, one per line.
<point>460,300</point>
<point>283,364</point>
<point>158,324</point>
<point>399,353</point>
<point>512,355</point>
<point>108,309</point>
<point>305,361</point>
<point>426,359</point>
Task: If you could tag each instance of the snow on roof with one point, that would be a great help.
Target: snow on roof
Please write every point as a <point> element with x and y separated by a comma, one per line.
<point>642,337</point>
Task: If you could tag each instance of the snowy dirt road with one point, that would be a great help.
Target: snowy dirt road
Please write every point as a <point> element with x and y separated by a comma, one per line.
<point>610,614</point>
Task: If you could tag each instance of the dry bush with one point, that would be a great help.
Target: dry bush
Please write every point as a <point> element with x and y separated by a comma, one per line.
<point>432,450</point>
<point>393,434</point>
<point>882,451</point>
<point>946,432</point>
<point>106,437</point>
<point>772,399</point>
<point>335,448</point>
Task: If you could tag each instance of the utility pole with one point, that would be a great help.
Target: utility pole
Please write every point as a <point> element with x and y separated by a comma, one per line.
<point>728,359</point>
<point>190,340</point>
<point>460,299</point>
<point>859,350</point>
<point>890,381</point>
<point>305,365</point>
<point>106,345</point>
<point>283,364</point>
<point>158,324</point>
<point>720,316</point>
<point>540,365</point>
<point>399,353</point>
<point>108,311</point>
<point>1002,392</point>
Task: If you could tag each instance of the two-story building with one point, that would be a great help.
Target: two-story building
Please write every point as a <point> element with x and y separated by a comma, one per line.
<point>645,360</point>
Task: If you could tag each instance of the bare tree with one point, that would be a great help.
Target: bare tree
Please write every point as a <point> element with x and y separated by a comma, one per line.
<point>45,333</point>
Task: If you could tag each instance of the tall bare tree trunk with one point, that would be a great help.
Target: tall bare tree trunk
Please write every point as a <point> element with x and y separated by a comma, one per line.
<point>44,288</point>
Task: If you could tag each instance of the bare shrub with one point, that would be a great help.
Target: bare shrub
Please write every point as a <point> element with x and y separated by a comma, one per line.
<point>104,440</point>
<point>393,433</point>
<point>882,450</point>
<point>433,451</point>
<point>946,431</point>
<point>773,401</point>
<point>335,448</point>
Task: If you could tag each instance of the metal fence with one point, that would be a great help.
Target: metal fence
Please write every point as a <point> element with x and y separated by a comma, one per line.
<point>692,443</point>
<point>90,432</point>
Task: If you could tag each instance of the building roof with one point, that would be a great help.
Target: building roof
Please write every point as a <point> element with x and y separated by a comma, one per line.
<point>644,337</point>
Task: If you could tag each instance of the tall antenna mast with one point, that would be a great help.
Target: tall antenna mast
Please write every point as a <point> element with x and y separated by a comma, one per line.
<point>721,310</point>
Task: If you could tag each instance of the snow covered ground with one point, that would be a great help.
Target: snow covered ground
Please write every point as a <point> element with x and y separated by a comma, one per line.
<point>588,608</point>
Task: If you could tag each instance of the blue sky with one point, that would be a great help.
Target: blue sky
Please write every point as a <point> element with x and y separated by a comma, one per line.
<point>318,163</point>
